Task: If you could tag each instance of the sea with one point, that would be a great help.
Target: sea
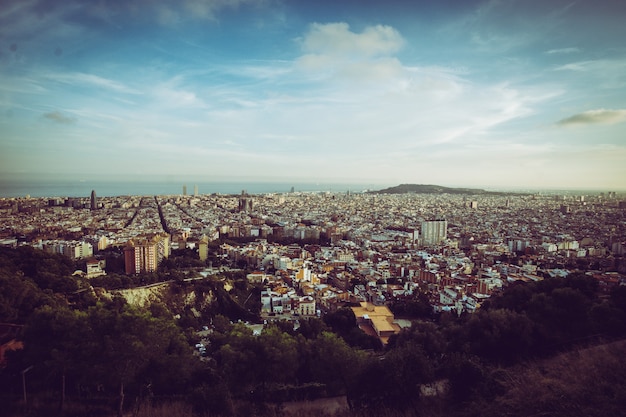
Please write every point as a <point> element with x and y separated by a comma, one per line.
<point>69,188</point>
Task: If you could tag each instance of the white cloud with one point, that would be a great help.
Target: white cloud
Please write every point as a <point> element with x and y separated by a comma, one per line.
<point>362,101</point>
<point>261,70</point>
<point>22,85</point>
<point>601,66</point>
<point>90,80</point>
<point>592,117</point>
<point>582,66</point>
<point>380,69</point>
<point>332,52</point>
<point>562,51</point>
<point>336,39</point>
<point>169,97</point>
<point>607,74</point>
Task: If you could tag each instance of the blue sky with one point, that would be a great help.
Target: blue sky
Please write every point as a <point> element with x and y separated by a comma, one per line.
<point>461,93</point>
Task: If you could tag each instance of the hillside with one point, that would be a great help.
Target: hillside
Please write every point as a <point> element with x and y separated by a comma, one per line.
<point>580,382</point>
<point>435,189</point>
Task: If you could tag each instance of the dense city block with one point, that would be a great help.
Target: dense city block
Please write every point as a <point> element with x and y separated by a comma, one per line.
<point>415,278</point>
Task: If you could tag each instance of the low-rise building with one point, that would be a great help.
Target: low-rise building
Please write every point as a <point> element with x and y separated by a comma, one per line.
<point>376,320</point>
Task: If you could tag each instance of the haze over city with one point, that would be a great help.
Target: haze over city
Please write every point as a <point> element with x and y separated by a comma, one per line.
<point>473,93</point>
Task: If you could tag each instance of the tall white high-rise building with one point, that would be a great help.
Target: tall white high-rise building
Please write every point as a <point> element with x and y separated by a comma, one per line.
<point>434,231</point>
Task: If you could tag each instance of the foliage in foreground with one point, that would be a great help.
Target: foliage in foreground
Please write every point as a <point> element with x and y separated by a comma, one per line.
<point>92,357</point>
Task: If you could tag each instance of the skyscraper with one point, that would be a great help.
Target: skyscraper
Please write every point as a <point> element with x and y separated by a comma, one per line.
<point>245,202</point>
<point>203,248</point>
<point>195,190</point>
<point>94,202</point>
<point>434,231</point>
<point>184,190</point>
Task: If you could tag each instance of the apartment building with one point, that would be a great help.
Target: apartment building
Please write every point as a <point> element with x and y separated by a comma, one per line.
<point>145,253</point>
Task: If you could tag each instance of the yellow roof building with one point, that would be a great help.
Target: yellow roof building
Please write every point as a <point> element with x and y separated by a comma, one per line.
<point>376,321</point>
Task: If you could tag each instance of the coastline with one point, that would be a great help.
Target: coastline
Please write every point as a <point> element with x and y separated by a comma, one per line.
<point>52,189</point>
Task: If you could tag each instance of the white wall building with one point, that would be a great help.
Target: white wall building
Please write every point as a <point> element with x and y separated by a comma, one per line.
<point>434,232</point>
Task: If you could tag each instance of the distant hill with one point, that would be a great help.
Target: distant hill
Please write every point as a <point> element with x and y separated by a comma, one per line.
<point>435,189</point>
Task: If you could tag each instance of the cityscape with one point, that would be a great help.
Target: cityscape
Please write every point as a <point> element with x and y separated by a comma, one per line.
<point>389,256</point>
<point>456,248</point>
<point>281,208</point>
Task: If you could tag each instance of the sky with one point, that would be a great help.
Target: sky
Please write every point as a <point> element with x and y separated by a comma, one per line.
<point>493,94</point>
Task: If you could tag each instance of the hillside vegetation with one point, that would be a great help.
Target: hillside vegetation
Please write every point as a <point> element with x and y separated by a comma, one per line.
<point>546,348</point>
<point>435,189</point>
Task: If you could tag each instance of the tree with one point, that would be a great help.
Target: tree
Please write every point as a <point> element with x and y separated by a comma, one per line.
<point>210,394</point>
<point>127,340</point>
<point>110,345</point>
<point>516,297</point>
<point>466,375</point>
<point>334,363</point>
<point>618,297</point>
<point>426,335</point>
<point>312,327</point>
<point>237,359</point>
<point>560,316</point>
<point>277,356</point>
<point>406,368</point>
<point>20,296</point>
<point>499,336</point>
<point>343,322</point>
<point>55,340</point>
